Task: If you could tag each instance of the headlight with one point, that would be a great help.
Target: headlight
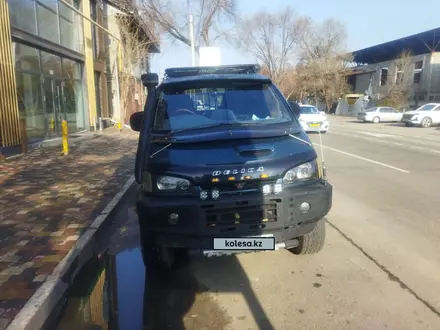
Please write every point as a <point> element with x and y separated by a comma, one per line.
<point>168,183</point>
<point>302,172</point>
<point>415,117</point>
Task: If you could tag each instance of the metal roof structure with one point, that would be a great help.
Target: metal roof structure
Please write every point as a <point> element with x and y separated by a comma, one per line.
<point>242,72</point>
<point>420,43</point>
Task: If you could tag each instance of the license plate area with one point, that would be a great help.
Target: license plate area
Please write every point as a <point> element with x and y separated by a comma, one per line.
<point>250,243</point>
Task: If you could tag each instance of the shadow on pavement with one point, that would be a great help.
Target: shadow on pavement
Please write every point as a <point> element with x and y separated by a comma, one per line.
<point>113,291</point>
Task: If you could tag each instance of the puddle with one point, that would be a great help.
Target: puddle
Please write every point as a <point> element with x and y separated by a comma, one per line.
<point>108,293</point>
<point>116,292</point>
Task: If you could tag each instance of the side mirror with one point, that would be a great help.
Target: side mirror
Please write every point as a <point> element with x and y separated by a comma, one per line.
<point>136,120</point>
<point>295,108</point>
<point>150,80</point>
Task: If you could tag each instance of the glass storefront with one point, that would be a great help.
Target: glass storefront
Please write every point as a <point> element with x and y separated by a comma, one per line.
<point>50,20</point>
<point>49,90</point>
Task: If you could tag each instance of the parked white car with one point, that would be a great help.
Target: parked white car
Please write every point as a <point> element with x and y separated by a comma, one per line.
<point>313,120</point>
<point>380,114</point>
<point>424,116</point>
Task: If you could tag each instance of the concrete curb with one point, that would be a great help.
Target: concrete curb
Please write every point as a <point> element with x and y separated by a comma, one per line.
<point>40,306</point>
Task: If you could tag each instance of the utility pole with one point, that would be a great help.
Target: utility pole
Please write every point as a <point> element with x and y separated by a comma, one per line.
<point>191,34</point>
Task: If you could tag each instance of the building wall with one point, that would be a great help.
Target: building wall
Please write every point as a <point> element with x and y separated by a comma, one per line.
<point>48,58</point>
<point>422,91</point>
<point>112,64</point>
<point>434,95</point>
<point>9,115</point>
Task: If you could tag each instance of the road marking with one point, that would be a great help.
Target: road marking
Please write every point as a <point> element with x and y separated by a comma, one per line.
<point>387,142</point>
<point>366,159</point>
<point>377,134</point>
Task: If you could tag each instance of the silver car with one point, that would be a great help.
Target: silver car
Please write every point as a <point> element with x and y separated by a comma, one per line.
<point>380,114</point>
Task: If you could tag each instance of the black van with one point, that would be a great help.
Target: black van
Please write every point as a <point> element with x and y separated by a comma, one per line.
<point>223,166</point>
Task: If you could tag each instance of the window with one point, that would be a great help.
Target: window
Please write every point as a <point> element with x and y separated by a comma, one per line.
<point>181,107</point>
<point>71,69</point>
<point>70,28</point>
<point>95,37</point>
<point>383,76</point>
<point>22,15</point>
<point>30,104</point>
<point>399,74</point>
<point>426,107</point>
<point>309,110</point>
<point>26,58</point>
<point>418,67</point>
<point>48,20</point>
<point>50,64</point>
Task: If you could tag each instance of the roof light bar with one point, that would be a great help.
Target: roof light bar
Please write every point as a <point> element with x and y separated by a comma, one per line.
<point>207,70</point>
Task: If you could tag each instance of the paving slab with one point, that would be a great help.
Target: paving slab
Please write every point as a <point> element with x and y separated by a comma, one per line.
<point>47,200</point>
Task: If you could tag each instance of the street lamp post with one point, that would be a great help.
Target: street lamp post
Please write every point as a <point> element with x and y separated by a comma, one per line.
<point>191,34</point>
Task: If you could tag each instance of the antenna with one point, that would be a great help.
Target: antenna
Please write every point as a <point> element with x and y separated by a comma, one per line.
<point>324,172</point>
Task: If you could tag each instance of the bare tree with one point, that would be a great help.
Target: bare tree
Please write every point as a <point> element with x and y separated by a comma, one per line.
<point>322,59</point>
<point>212,18</point>
<point>136,44</point>
<point>271,38</point>
<point>400,89</point>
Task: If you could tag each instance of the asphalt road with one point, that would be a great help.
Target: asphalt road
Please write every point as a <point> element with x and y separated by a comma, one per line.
<point>380,268</point>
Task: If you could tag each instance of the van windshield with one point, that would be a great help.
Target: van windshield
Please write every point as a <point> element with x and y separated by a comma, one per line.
<point>180,107</point>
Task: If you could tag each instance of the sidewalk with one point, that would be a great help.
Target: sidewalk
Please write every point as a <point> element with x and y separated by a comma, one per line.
<point>46,201</point>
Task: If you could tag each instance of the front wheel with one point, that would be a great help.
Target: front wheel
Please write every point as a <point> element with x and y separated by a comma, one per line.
<point>426,122</point>
<point>154,255</point>
<point>376,120</point>
<point>312,242</point>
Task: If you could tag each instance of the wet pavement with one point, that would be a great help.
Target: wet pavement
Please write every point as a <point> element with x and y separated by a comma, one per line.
<point>114,290</point>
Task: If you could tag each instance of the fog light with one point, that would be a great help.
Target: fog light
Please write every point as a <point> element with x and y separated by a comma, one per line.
<point>215,193</point>
<point>277,188</point>
<point>173,218</point>
<point>267,189</point>
<point>304,207</point>
<point>203,195</point>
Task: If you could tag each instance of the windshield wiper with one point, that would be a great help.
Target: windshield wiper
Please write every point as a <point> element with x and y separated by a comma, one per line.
<point>299,139</point>
<point>171,133</point>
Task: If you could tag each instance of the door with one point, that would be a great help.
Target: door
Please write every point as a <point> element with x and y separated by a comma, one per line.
<point>396,115</point>
<point>53,105</point>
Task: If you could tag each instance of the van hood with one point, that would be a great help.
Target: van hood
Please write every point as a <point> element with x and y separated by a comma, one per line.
<point>252,156</point>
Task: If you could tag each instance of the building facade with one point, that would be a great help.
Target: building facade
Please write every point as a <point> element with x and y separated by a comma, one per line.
<point>380,69</point>
<point>55,67</point>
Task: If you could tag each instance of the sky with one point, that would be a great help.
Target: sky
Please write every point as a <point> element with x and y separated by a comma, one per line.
<point>368,23</point>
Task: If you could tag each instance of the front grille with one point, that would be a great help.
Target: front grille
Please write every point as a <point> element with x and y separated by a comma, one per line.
<point>407,116</point>
<point>242,213</point>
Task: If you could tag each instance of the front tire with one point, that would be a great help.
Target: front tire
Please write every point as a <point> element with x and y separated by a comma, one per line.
<point>376,120</point>
<point>312,242</point>
<point>426,122</point>
<point>154,255</point>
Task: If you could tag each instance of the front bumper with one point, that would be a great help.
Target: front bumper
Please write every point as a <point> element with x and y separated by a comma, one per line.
<point>201,221</point>
<point>411,121</point>
<point>310,127</point>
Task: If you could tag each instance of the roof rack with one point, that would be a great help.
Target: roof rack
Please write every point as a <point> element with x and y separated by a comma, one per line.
<point>207,70</point>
